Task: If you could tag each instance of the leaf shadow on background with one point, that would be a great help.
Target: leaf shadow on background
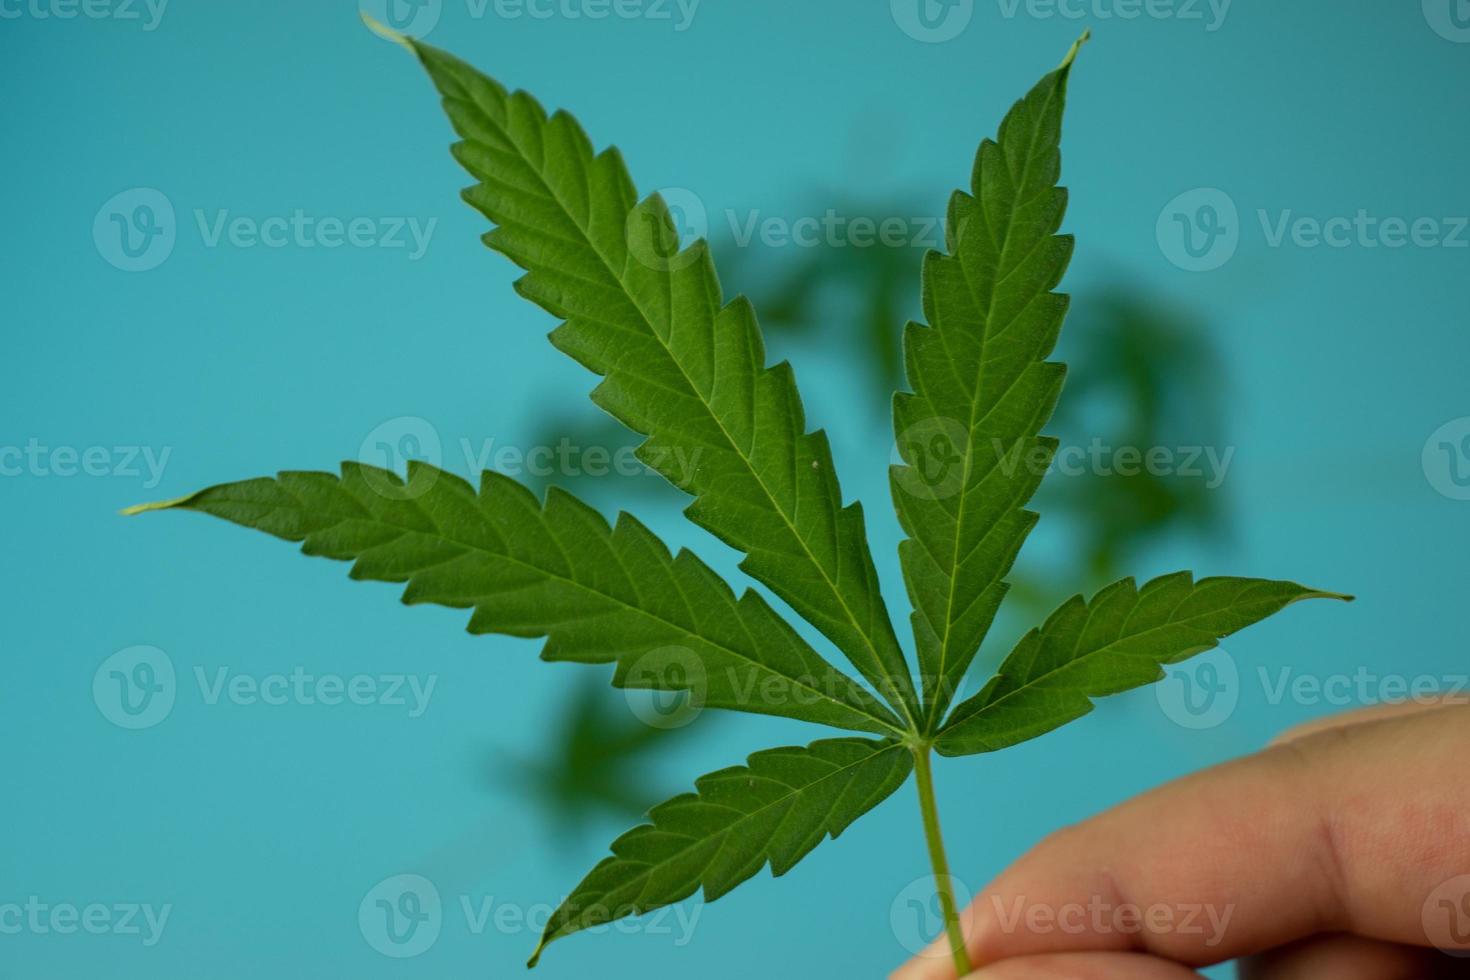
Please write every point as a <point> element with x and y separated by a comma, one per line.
<point>593,764</point>
<point>1145,373</point>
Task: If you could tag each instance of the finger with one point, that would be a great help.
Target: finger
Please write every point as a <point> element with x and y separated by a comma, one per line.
<point>1350,830</point>
<point>1377,712</point>
<point>1350,958</point>
<point>1086,966</point>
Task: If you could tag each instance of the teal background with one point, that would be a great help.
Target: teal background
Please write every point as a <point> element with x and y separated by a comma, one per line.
<point>264,827</point>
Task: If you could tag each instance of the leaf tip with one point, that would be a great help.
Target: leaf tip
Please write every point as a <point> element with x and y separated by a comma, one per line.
<point>137,509</point>
<point>536,956</point>
<point>384,31</point>
<point>1309,594</point>
<point>1072,52</point>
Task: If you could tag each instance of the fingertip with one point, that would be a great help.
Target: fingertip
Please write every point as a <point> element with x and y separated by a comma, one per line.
<point>1363,716</point>
<point>1086,966</point>
<point>933,963</point>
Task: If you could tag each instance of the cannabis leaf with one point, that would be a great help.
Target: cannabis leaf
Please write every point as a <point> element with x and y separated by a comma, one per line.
<point>678,364</point>
<point>598,593</point>
<point>969,432</point>
<point>774,810</point>
<point>1116,642</point>
<point>687,370</point>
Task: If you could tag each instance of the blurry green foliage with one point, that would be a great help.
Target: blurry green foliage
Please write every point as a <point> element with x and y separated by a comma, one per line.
<point>1142,375</point>
<point>591,765</point>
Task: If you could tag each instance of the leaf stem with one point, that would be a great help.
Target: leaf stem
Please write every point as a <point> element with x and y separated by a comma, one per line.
<point>940,863</point>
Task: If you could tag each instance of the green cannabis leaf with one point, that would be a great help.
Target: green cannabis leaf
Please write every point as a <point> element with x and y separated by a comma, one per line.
<point>598,593</point>
<point>686,369</point>
<point>774,809</point>
<point>678,364</point>
<point>1118,641</point>
<point>970,432</point>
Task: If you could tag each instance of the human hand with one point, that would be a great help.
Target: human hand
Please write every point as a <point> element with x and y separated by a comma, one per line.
<point>1342,852</point>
